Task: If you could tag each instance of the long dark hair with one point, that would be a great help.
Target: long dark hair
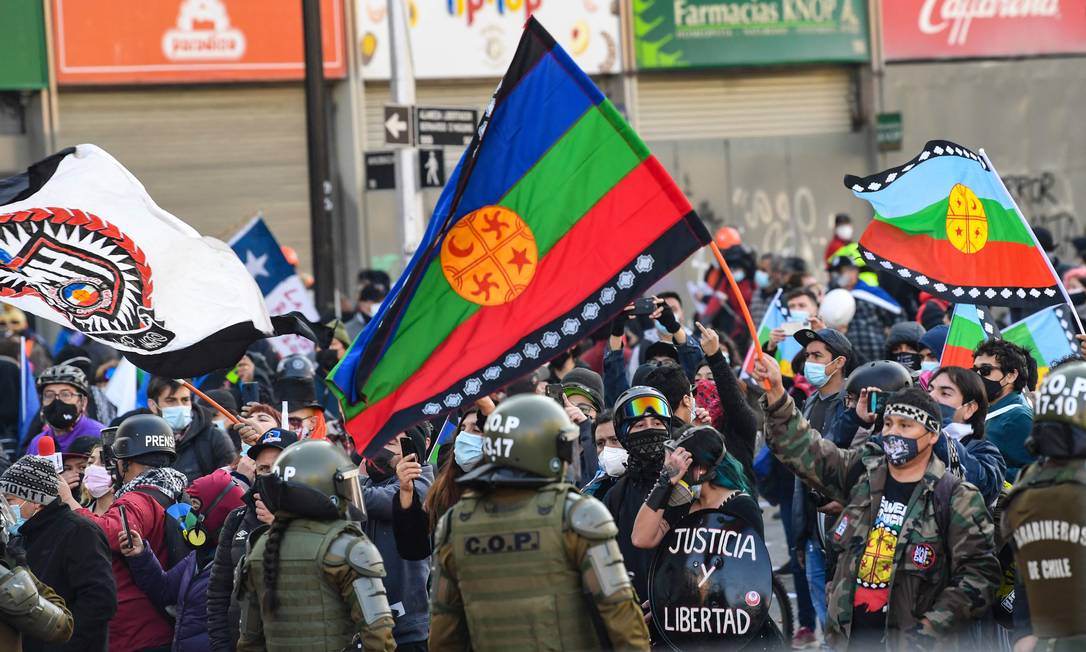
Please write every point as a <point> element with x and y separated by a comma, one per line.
<point>271,562</point>
<point>445,490</point>
<point>971,386</point>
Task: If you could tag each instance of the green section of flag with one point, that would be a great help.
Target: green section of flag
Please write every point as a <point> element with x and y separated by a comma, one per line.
<point>1004,225</point>
<point>964,332</point>
<point>1020,334</point>
<point>590,159</point>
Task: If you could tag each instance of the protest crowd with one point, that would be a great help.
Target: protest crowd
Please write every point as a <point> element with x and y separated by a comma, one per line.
<point>170,527</point>
<point>569,457</point>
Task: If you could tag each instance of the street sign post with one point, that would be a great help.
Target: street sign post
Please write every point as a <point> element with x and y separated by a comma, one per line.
<point>444,126</point>
<point>397,124</point>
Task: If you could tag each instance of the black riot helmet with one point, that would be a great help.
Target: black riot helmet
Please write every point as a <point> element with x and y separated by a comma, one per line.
<point>141,434</point>
<point>887,375</point>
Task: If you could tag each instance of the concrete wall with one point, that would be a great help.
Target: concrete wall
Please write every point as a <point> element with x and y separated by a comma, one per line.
<point>1026,114</point>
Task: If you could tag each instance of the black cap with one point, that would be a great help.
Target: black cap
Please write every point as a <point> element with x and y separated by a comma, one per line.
<point>837,343</point>
<point>81,446</point>
<point>662,349</point>
<point>837,262</point>
<point>274,438</point>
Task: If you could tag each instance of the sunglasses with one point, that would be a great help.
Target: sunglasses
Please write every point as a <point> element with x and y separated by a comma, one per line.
<point>985,369</point>
<point>644,406</point>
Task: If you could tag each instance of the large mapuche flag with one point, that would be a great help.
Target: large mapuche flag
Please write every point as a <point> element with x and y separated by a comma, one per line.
<point>83,244</point>
<point>556,216</point>
<point>945,223</point>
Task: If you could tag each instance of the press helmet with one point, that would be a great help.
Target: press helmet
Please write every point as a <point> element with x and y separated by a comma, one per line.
<point>527,440</point>
<point>1059,420</point>
<point>140,434</point>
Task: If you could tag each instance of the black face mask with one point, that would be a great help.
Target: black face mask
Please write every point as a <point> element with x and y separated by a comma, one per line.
<point>60,415</point>
<point>379,466</point>
<point>646,451</point>
<point>992,388</point>
<point>908,359</point>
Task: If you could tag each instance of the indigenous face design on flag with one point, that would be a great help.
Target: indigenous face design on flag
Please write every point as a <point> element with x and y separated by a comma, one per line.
<point>945,223</point>
<point>86,269</point>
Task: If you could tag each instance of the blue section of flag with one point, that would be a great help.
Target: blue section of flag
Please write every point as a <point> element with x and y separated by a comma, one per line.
<point>555,88</point>
<point>260,253</point>
<point>930,181</point>
<point>28,399</point>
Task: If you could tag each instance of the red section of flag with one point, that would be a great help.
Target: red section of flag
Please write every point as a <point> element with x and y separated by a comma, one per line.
<point>956,356</point>
<point>998,264</point>
<point>634,213</point>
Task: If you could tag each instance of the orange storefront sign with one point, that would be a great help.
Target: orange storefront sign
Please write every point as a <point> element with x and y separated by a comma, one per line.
<point>171,41</point>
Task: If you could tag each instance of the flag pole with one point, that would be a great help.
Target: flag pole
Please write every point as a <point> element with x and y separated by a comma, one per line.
<point>1036,243</point>
<point>739,299</point>
<point>210,401</point>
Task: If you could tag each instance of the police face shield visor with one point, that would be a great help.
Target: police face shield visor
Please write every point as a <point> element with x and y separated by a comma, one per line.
<point>644,406</point>
<point>349,488</point>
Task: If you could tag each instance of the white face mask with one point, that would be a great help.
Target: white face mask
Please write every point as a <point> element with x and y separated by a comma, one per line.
<point>844,231</point>
<point>613,461</point>
<point>958,431</point>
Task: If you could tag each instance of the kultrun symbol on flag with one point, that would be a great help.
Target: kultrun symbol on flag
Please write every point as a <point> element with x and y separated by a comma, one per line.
<point>489,257</point>
<point>966,223</point>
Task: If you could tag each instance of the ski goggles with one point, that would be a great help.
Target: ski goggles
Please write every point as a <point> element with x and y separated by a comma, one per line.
<point>644,406</point>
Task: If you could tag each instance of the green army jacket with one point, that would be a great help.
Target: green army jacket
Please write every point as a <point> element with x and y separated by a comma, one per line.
<point>946,577</point>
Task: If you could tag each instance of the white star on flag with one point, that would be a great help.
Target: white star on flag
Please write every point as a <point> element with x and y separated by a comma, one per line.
<point>256,264</point>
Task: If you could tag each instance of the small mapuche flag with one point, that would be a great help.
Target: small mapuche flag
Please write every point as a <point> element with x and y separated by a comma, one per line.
<point>555,218</point>
<point>1048,335</point>
<point>970,326</point>
<point>945,223</point>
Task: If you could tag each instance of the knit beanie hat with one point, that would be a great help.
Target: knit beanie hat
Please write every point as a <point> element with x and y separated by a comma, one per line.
<point>31,478</point>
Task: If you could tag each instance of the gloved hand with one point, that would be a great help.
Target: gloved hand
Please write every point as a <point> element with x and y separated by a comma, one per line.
<point>667,318</point>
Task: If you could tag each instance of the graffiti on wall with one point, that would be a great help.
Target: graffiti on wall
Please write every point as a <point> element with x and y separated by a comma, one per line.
<point>1045,199</point>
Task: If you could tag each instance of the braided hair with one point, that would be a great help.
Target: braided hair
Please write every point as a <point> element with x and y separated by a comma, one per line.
<point>271,562</point>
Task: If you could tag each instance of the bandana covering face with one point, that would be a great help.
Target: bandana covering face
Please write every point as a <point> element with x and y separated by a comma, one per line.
<point>646,449</point>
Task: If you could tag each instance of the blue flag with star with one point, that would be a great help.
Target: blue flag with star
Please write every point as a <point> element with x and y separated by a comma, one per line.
<point>278,280</point>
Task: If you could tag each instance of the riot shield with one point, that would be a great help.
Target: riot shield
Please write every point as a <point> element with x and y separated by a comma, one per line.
<point>711,583</point>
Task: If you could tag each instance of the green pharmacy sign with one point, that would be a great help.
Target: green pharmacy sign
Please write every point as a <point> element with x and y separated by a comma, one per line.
<point>670,34</point>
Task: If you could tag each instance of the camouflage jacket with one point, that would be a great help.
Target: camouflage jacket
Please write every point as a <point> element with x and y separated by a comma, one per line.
<point>946,577</point>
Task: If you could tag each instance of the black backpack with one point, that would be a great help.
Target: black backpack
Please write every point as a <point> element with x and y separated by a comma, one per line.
<point>176,547</point>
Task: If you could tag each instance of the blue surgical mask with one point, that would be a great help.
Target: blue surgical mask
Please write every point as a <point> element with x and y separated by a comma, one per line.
<point>929,365</point>
<point>816,373</point>
<point>18,519</point>
<point>739,275</point>
<point>245,448</point>
<point>178,416</point>
<point>468,450</point>
<point>761,278</point>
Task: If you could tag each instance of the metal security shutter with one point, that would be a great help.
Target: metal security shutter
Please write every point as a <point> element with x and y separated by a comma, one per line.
<point>724,104</point>
<point>213,156</point>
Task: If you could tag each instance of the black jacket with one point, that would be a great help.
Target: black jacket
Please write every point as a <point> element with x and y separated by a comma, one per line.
<point>204,447</point>
<point>69,554</point>
<point>223,612</point>
<point>740,425</point>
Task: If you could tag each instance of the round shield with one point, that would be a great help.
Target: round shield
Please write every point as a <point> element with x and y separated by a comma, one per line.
<point>711,583</point>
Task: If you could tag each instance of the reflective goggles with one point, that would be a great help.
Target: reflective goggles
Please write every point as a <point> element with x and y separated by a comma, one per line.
<point>644,406</point>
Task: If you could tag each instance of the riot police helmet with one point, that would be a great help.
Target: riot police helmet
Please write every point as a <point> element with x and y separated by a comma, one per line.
<point>527,441</point>
<point>313,478</point>
<point>1059,420</point>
